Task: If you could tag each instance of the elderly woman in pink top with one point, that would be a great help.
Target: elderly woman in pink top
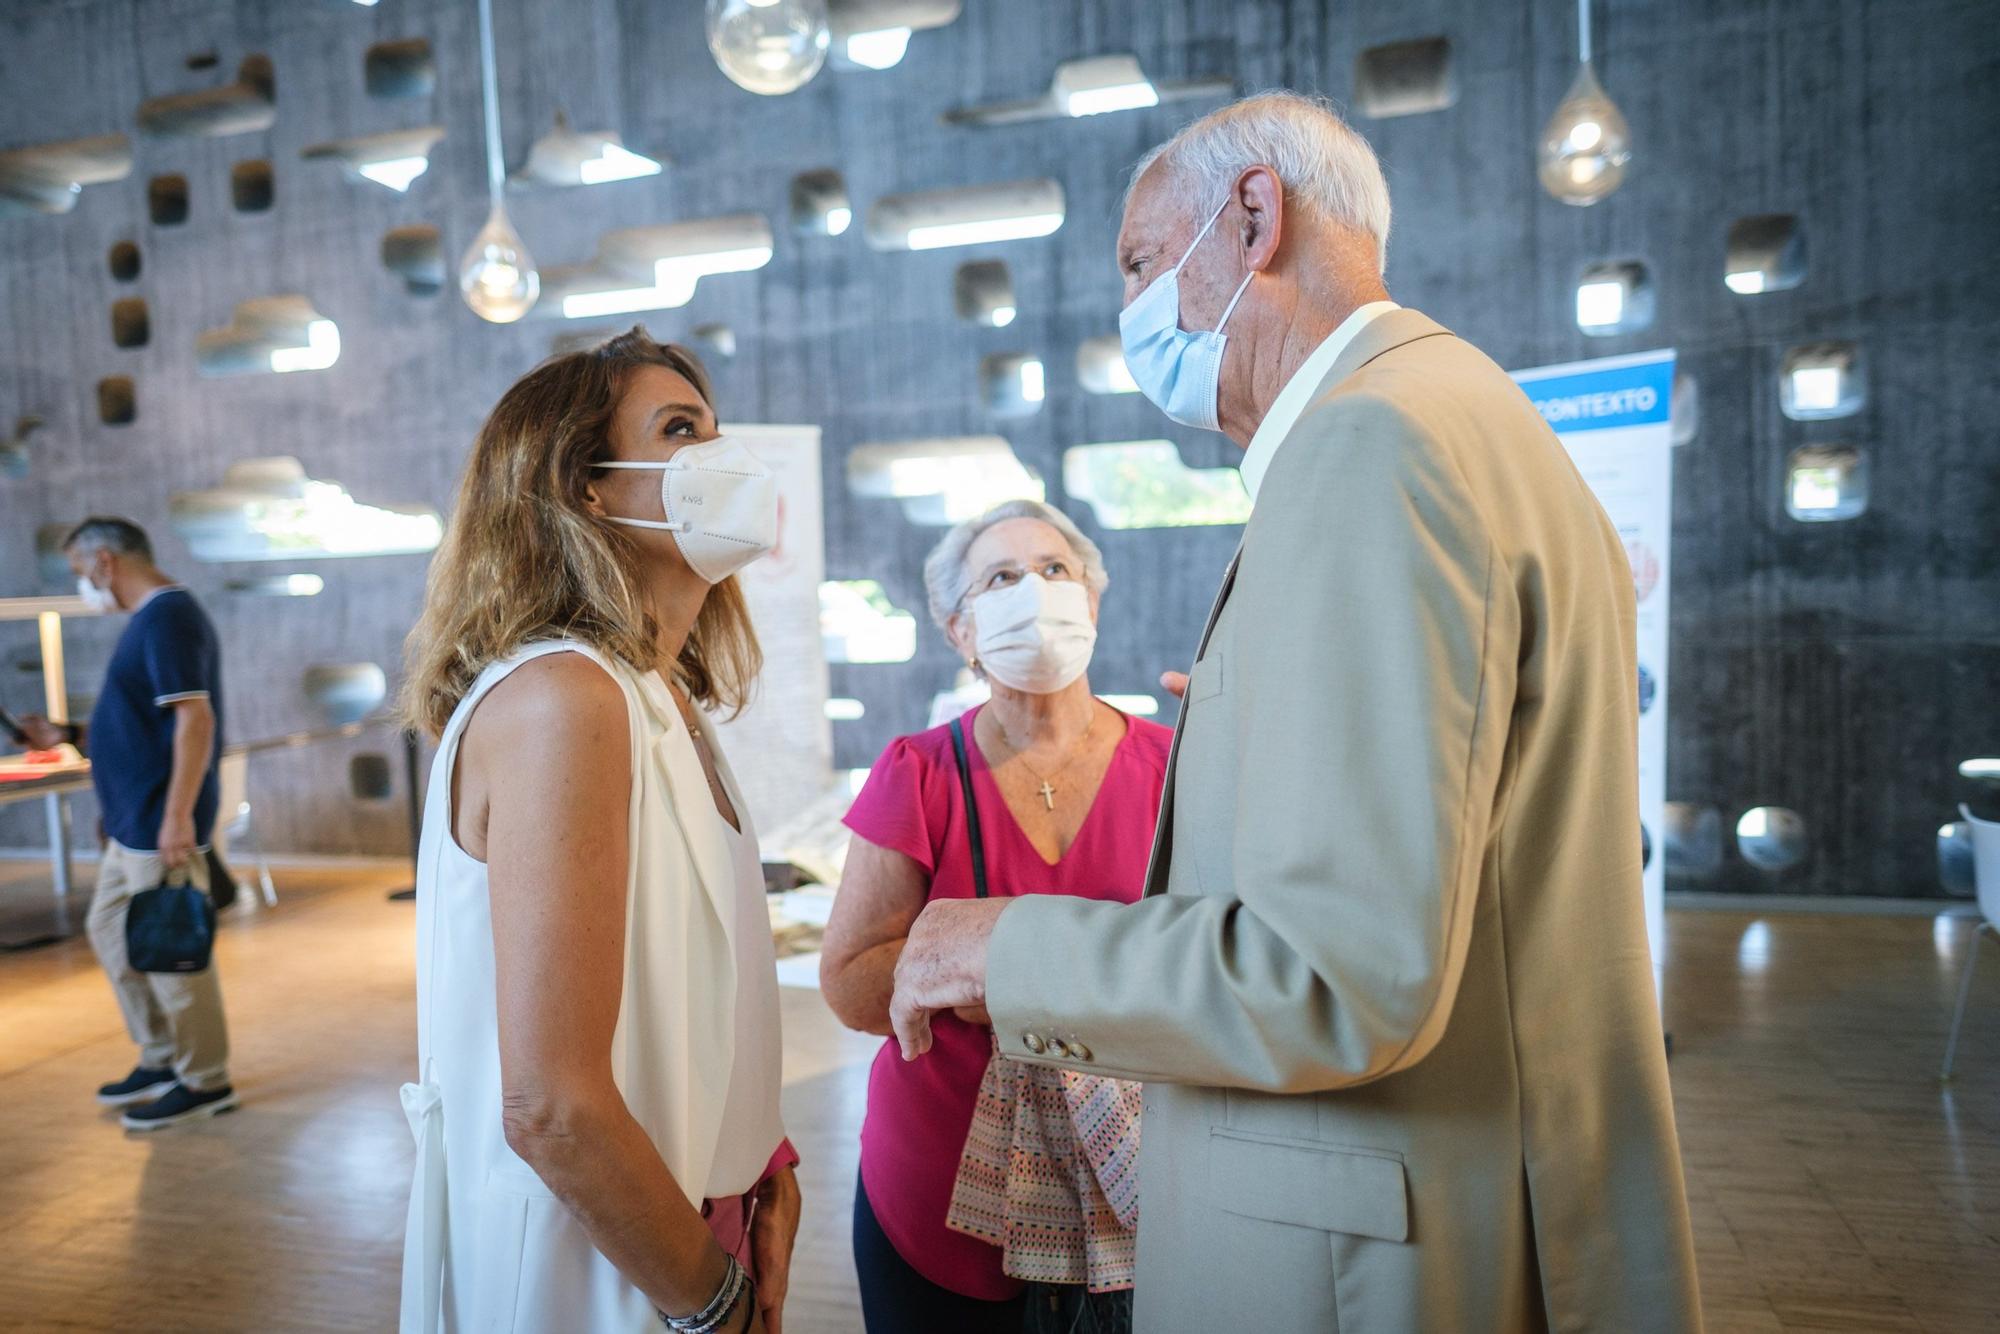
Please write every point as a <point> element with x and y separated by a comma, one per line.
<point>1064,791</point>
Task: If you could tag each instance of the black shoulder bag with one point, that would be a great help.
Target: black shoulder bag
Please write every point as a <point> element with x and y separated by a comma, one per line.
<point>971,808</point>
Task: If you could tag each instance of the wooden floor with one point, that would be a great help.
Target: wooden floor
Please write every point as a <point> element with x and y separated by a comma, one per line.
<point>1835,1184</point>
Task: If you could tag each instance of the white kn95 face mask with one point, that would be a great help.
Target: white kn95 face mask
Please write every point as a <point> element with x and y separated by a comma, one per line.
<point>721,505</point>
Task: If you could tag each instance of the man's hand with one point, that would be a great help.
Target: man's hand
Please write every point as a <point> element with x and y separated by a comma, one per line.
<point>42,734</point>
<point>943,967</point>
<point>176,841</point>
<point>773,1229</point>
<point>1175,684</point>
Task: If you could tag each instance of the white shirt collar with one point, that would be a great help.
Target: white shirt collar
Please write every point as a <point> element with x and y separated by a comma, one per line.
<point>1292,399</point>
<point>163,588</point>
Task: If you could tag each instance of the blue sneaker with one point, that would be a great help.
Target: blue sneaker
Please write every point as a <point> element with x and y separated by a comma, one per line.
<point>180,1103</point>
<point>142,1085</point>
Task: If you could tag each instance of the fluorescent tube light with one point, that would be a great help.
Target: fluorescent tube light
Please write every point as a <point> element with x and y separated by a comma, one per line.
<point>615,163</point>
<point>616,301</point>
<point>978,231</point>
<point>674,282</point>
<point>322,349</point>
<point>881,49</point>
<point>1122,97</point>
<point>395,172</point>
<point>1093,86</point>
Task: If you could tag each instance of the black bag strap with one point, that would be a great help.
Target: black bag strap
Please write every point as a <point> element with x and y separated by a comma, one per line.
<point>971,808</point>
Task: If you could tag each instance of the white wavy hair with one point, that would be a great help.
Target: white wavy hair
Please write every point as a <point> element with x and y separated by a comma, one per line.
<point>1321,161</point>
<point>946,580</point>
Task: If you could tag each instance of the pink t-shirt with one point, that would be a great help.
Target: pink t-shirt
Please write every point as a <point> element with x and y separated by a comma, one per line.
<point>920,1111</point>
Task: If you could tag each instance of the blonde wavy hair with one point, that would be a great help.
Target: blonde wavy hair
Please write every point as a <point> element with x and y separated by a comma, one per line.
<point>524,559</point>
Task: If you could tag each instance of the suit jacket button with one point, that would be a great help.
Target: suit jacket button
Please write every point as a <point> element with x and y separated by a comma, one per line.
<point>1058,1048</point>
<point>1034,1043</point>
<point>1079,1051</point>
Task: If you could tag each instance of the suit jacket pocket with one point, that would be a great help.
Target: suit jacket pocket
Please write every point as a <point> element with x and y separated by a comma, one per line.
<point>1360,1192</point>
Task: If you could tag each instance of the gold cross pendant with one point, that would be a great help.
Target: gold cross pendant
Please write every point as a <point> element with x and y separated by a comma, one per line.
<point>1048,795</point>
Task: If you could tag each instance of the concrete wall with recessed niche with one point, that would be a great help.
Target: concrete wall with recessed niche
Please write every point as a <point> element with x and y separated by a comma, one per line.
<point>1836,670</point>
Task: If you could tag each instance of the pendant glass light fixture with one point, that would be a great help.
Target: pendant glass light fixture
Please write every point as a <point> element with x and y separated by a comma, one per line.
<point>497,275</point>
<point>769,46</point>
<point>1586,144</point>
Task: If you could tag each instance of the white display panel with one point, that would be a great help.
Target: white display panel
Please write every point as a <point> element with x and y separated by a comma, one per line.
<point>781,748</point>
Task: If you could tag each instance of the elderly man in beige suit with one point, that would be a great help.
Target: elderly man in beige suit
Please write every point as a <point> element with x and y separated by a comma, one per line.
<point>1389,989</point>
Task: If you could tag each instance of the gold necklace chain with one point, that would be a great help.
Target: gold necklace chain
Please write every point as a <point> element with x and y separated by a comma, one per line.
<point>1047,790</point>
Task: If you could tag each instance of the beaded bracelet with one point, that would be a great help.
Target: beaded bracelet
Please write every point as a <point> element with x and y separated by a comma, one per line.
<point>715,1315</point>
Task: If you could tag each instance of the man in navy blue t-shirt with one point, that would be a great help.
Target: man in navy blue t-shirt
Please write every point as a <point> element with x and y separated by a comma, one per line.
<point>154,740</point>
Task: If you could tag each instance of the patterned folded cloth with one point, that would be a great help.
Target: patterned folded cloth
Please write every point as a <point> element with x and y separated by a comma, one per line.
<point>1050,1174</point>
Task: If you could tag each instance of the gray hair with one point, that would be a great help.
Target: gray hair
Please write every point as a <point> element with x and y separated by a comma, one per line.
<point>947,581</point>
<point>1322,162</point>
<point>104,532</point>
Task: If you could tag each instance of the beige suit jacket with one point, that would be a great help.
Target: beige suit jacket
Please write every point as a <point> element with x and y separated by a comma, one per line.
<point>1390,988</point>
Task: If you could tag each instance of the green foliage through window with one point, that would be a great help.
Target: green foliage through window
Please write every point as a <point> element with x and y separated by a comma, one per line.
<point>1144,484</point>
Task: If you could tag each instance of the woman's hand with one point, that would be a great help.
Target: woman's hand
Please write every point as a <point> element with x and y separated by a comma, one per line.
<point>773,1229</point>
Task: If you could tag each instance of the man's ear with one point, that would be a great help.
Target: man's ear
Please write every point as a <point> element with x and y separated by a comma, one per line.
<point>1262,197</point>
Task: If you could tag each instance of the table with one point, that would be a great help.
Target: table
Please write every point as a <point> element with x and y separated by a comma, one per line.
<point>48,613</point>
<point>52,788</point>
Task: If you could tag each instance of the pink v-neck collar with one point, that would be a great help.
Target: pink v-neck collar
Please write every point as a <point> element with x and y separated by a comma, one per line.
<point>982,769</point>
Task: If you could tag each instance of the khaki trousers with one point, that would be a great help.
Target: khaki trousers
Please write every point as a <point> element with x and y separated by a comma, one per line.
<point>176,1018</point>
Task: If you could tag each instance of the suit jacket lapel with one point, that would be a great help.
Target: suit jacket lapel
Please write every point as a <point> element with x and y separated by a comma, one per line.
<point>1381,334</point>
<point>1163,830</point>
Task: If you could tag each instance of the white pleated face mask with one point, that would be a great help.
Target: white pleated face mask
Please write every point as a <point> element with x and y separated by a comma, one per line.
<point>1034,636</point>
<point>721,505</point>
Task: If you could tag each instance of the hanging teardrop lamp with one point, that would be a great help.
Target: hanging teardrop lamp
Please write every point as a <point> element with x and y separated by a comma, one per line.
<point>1586,144</point>
<point>769,46</point>
<point>497,275</point>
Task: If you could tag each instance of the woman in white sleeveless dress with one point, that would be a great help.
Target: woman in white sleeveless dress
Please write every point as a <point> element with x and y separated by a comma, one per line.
<point>598,1140</point>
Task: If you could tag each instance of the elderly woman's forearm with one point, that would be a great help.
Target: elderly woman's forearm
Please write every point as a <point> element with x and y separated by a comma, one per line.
<point>596,1158</point>
<point>858,990</point>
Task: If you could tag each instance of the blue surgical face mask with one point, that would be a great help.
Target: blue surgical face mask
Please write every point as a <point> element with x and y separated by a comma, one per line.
<point>1180,371</point>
